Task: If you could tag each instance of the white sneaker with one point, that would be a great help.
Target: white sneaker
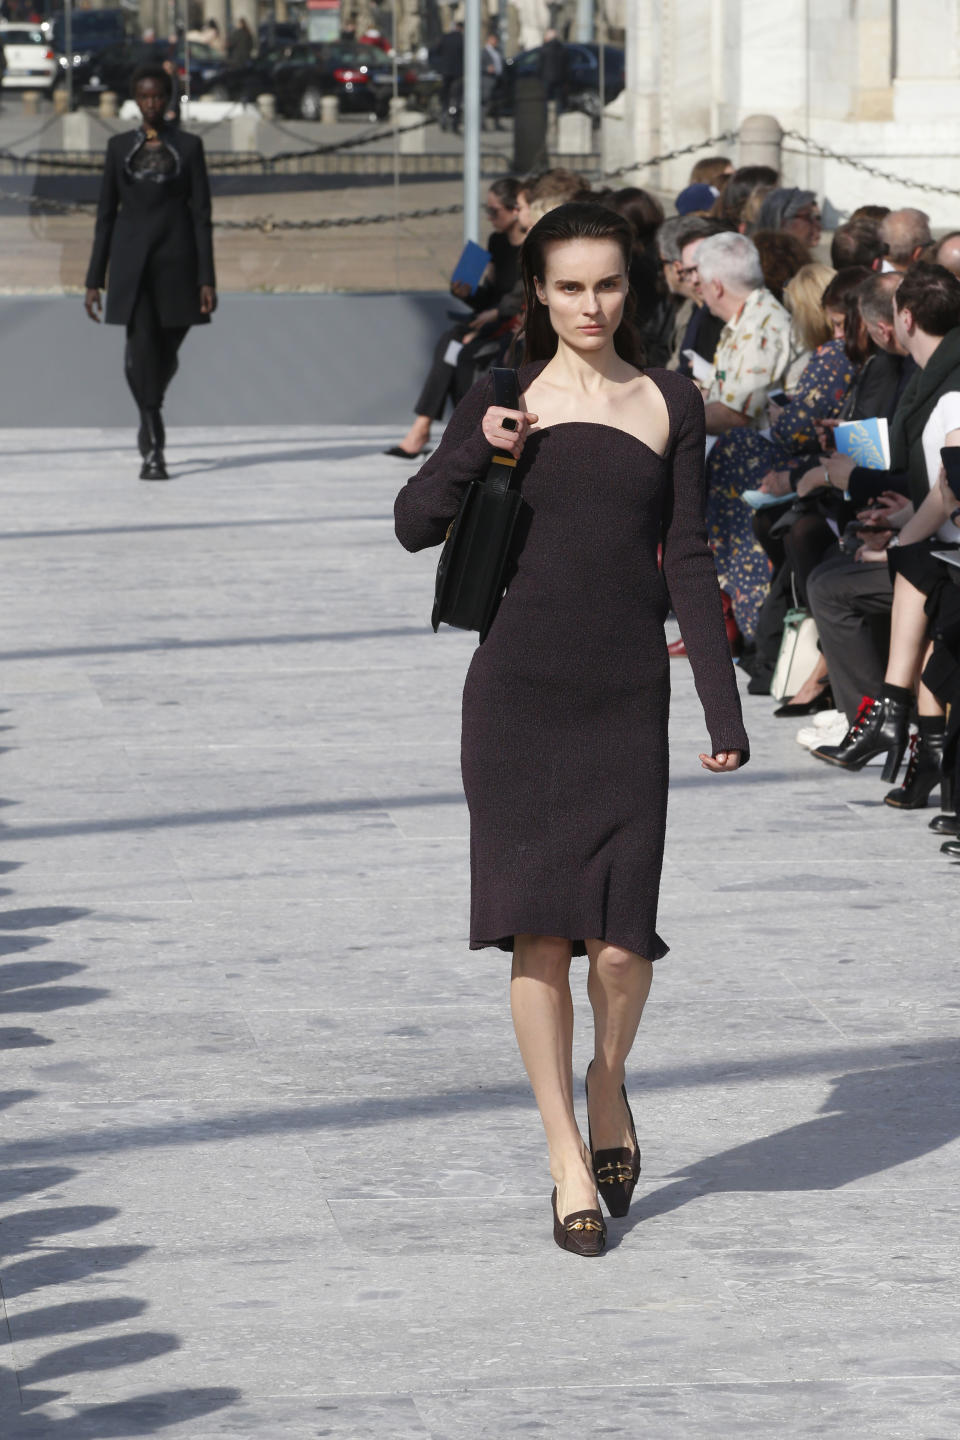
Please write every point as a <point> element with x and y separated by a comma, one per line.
<point>815,735</point>
<point>827,718</point>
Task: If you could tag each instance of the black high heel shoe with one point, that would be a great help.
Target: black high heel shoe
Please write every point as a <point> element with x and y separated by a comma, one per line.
<point>924,773</point>
<point>583,1233</point>
<point>616,1171</point>
<point>401,454</point>
<point>823,701</point>
<point>880,726</point>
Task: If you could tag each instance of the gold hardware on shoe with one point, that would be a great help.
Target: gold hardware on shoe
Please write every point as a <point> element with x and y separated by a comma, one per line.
<point>584,1225</point>
<point>619,1173</point>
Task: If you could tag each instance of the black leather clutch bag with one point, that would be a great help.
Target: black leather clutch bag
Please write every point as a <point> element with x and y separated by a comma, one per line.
<point>476,558</point>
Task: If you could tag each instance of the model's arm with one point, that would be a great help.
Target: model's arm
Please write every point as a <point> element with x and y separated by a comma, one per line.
<point>201,209</point>
<point>103,231</point>
<point>691,577</point>
<point>431,499</point>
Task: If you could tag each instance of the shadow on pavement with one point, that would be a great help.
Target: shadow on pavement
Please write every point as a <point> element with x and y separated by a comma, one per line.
<point>873,1120</point>
<point>37,1253</point>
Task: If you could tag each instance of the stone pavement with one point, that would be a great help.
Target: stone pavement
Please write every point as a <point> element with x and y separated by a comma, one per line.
<point>270,1167</point>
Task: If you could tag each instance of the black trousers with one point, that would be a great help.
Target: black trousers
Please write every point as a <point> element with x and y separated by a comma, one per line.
<point>151,352</point>
<point>452,382</point>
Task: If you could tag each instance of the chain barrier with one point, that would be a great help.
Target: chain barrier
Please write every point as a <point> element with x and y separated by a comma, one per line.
<point>861,165</point>
<point>224,162</point>
<point>707,144</point>
<point>265,224</point>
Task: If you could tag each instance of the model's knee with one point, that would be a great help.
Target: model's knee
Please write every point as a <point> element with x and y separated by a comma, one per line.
<point>540,956</point>
<point>621,966</point>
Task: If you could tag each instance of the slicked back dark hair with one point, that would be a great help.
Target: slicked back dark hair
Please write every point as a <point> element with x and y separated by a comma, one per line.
<point>151,72</point>
<point>575,221</point>
<point>932,295</point>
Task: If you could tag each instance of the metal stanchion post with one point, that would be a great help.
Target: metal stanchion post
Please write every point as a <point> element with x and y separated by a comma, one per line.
<point>68,47</point>
<point>471,120</point>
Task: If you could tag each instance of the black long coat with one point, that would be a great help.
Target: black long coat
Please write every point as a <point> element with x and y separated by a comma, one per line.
<point>154,232</point>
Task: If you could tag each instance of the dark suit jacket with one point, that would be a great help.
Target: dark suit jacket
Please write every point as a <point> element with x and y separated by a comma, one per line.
<point>449,53</point>
<point>153,233</point>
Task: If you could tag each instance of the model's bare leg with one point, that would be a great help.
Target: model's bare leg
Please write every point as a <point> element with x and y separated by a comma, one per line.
<point>418,434</point>
<point>928,706</point>
<point>908,634</point>
<point>543,1019</point>
<point>618,985</point>
<point>813,685</point>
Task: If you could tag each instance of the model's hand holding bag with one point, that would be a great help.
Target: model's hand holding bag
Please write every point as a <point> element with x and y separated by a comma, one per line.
<point>474,566</point>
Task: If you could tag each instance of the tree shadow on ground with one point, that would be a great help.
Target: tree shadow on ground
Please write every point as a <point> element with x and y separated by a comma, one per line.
<point>38,1254</point>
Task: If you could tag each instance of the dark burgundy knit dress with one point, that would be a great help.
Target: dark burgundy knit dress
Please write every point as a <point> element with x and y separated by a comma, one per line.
<point>565,706</point>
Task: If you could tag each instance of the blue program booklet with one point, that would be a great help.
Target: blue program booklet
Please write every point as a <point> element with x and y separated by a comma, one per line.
<point>471,265</point>
<point>867,442</point>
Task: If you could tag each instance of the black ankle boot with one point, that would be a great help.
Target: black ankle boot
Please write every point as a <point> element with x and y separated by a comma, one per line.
<point>946,823</point>
<point>924,773</point>
<point>881,725</point>
<point>154,465</point>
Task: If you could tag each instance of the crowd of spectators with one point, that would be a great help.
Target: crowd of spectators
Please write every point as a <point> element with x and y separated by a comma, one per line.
<point>788,339</point>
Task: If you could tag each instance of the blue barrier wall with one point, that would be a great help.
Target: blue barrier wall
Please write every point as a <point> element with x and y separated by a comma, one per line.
<point>265,360</point>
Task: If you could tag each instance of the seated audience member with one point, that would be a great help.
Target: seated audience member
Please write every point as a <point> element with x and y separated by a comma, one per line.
<point>847,595</point>
<point>666,327</point>
<point>810,325</point>
<point>906,235</point>
<point>646,216</point>
<point>496,304</point>
<point>703,329</point>
<point>714,170</point>
<point>857,242</point>
<point>871,212</point>
<point>746,459</point>
<point>543,193</point>
<point>795,211</point>
<point>781,256</point>
<point>941,677</point>
<point>948,252</point>
<point>747,186</point>
<point>695,200</point>
<point>754,345</point>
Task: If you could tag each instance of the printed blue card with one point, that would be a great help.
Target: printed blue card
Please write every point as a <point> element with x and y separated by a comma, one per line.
<point>867,442</point>
<point>471,265</point>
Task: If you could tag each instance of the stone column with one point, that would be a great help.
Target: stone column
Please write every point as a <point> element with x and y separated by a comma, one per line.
<point>642,94</point>
<point>874,95</point>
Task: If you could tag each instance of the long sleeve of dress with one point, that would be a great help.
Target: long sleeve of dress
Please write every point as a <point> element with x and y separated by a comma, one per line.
<point>691,577</point>
<point>107,206</point>
<point>201,209</point>
<point>431,499</point>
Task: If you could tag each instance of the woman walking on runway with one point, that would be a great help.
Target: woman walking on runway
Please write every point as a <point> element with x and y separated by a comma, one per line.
<point>154,231</point>
<point>565,707</point>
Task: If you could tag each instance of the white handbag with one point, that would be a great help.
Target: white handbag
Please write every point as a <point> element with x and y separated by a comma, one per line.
<point>798,655</point>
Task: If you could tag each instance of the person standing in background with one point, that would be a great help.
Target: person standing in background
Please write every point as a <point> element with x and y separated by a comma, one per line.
<point>449,63</point>
<point>492,81</point>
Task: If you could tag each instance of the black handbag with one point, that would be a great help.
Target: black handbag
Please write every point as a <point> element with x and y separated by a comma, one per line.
<point>475,562</point>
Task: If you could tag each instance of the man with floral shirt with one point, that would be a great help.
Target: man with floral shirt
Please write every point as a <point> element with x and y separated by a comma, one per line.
<point>754,346</point>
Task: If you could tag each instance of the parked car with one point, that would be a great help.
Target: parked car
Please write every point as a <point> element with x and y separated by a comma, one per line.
<point>90,32</point>
<point>30,61</point>
<point>299,76</point>
<point>113,68</point>
<point>583,76</point>
<point>274,33</point>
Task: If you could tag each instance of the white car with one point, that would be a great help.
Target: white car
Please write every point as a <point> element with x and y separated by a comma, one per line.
<point>30,61</point>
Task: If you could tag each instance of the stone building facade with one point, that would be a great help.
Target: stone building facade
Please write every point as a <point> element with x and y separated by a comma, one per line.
<point>878,80</point>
